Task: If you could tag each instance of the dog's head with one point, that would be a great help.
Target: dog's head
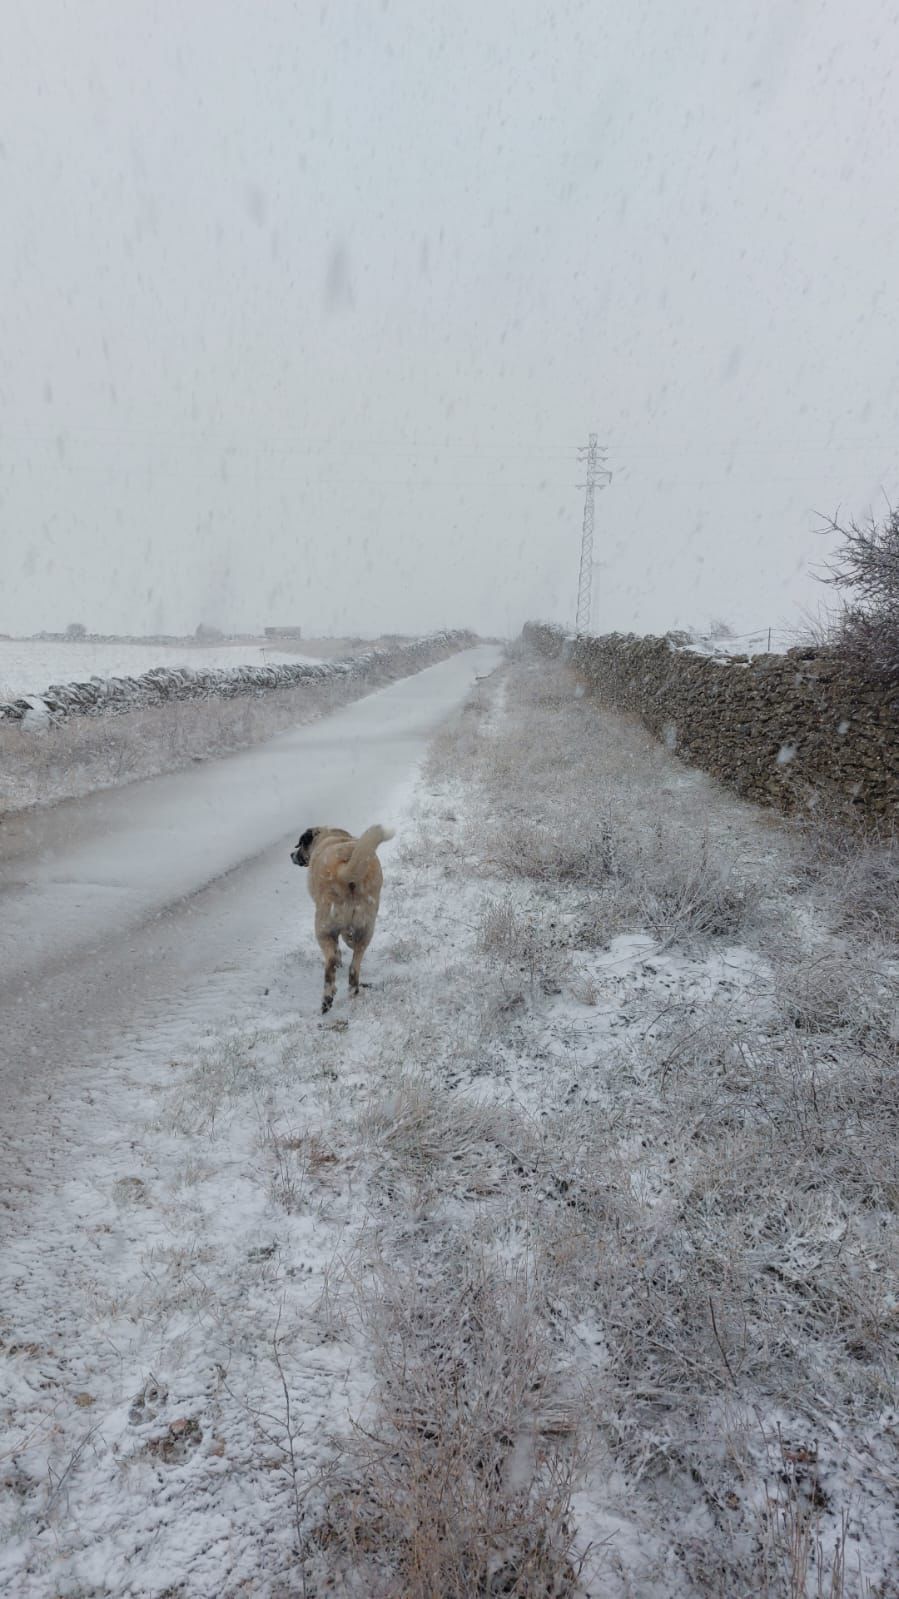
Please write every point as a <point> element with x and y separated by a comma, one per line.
<point>300,855</point>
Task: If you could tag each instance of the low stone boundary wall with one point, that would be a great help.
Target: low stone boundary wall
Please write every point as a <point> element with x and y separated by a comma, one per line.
<point>163,684</point>
<point>796,731</point>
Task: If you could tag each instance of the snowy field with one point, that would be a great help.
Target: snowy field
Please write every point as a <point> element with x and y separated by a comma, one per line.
<point>562,1265</point>
<point>29,667</point>
<point>765,641</point>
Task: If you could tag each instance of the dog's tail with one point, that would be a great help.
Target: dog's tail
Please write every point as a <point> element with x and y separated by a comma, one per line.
<point>364,848</point>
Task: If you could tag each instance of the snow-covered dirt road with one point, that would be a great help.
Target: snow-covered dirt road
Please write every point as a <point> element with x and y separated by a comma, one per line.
<point>139,900</point>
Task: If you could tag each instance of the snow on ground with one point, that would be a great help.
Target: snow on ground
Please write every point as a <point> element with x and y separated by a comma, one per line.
<point>30,666</point>
<point>558,1265</point>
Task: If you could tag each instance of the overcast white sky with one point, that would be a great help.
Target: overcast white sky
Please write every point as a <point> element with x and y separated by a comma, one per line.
<point>306,306</point>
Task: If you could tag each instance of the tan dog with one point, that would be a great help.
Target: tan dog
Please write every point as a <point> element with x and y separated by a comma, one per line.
<point>345,882</point>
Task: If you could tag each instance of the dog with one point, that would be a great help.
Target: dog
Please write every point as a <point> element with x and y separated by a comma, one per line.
<point>345,881</point>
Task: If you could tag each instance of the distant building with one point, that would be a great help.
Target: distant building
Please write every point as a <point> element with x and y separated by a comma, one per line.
<point>284,632</point>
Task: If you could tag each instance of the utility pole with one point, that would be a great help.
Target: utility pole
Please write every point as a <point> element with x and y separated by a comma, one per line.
<point>596,471</point>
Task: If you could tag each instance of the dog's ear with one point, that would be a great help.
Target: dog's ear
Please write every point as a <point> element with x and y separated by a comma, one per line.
<point>300,855</point>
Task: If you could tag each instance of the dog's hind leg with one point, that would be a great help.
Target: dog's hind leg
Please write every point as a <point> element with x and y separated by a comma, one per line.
<point>329,948</point>
<point>359,948</point>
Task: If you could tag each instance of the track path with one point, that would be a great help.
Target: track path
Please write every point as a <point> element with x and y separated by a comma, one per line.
<point>142,903</point>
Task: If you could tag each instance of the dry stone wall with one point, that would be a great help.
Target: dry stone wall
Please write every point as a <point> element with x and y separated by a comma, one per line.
<point>799,730</point>
<point>164,684</point>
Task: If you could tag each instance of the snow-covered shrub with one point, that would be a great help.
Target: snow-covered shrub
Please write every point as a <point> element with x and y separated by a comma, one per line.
<point>847,990</point>
<point>585,855</point>
<point>686,897</point>
<point>524,943</point>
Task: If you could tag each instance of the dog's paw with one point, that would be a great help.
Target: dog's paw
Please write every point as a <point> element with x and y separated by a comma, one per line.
<point>327,1002</point>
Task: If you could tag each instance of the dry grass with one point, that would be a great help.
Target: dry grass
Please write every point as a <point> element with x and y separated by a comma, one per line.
<point>853,990</point>
<point>457,1480</point>
<point>566,809</point>
<point>422,1143</point>
<point>222,1074</point>
<point>585,855</point>
<point>84,753</point>
<point>678,892</point>
<point>524,944</point>
<point>796,1560</point>
<point>460,1482</point>
<point>686,897</point>
<point>856,876</point>
<point>720,1206</point>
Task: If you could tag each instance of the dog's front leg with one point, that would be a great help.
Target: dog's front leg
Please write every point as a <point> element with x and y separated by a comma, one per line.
<point>331,952</point>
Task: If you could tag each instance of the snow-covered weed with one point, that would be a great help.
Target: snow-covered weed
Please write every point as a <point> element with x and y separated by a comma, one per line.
<point>523,943</point>
<point>686,897</point>
<point>460,1481</point>
<point>657,883</point>
<point>842,990</point>
<point>425,1143</point>
<point>717,1288</point>
<point>796,1558</point>
<point>727,1219</point>
<point>298,1160</point>
<point>583,856</point>
<point>856,877</point>
<point>223,1071</point>
<point>288,1185</point>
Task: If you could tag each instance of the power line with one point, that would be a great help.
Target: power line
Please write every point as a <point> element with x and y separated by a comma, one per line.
<point>50,433</point>
<point>322,443</point>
